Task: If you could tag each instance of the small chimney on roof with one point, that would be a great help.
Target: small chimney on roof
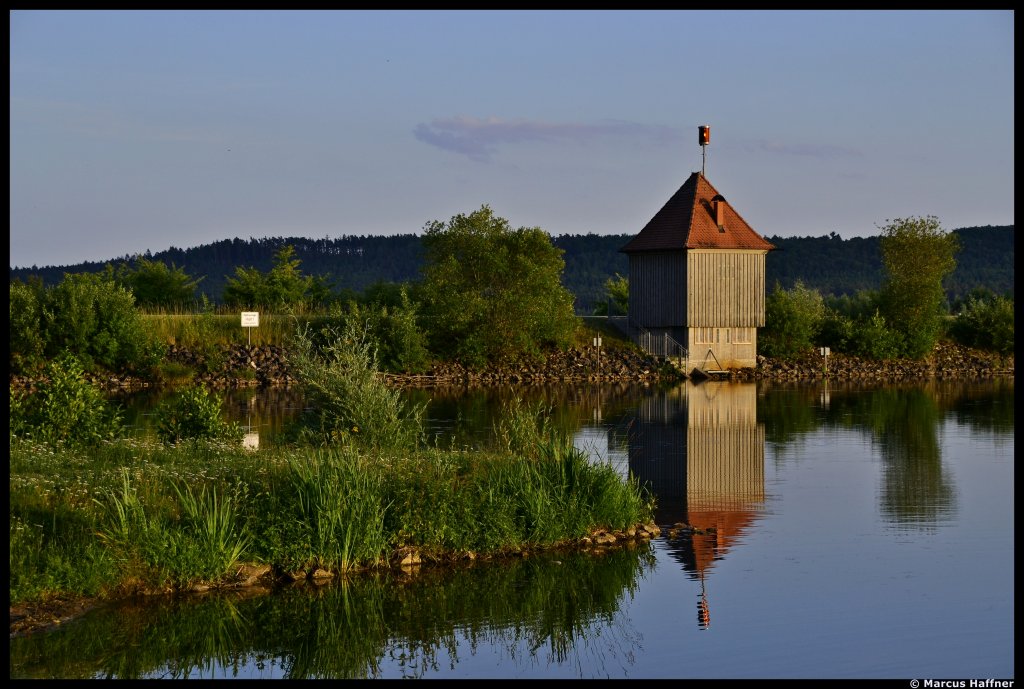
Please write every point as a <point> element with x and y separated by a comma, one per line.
<point>719,203</point>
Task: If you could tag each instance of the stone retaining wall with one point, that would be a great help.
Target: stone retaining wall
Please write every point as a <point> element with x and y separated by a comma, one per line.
<point>266,365</point>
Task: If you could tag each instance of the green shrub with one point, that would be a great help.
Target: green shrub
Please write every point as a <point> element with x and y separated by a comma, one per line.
<point>404,344</point>
<point>193,414</point>
<point>872,338</point>
<point>855,325</point>
<point>96,320</point>
<point>351,401</point>
<point>792,320</point>
<point>401,345</point>
<point>523,428</point>
<point>154,284</point>
<point>616,293</point>
<point>985,323</point>
<point>26,336</point>
<point>836,331</point>
<point>66,410</point>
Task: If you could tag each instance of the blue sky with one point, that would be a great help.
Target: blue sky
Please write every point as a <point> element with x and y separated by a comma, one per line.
<point>141,130</point>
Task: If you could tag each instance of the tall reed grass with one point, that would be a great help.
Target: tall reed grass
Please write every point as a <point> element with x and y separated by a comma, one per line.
<point>196,331</point>
<point>341,504</point>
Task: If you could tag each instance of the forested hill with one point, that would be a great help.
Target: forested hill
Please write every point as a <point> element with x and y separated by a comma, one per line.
<point>828,263</point>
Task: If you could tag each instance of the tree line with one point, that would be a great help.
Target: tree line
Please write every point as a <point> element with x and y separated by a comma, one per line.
<point>487,293</point>
<point>353,263</point>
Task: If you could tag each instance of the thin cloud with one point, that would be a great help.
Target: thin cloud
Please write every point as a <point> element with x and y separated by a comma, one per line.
<point>479,139</point>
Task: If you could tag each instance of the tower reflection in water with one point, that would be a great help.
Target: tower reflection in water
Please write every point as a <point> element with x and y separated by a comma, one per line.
<point>700,450</point>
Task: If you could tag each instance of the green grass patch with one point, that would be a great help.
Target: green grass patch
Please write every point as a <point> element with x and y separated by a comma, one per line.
<point>131,513</point>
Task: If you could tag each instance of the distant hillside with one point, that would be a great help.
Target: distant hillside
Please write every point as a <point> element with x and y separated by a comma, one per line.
<point>829,263</point>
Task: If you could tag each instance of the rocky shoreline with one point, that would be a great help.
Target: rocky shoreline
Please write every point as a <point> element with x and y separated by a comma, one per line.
<point>266,366</point>
<point>947,361</point>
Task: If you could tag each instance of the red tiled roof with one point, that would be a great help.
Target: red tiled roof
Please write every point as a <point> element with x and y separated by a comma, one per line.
<point>687,221</point>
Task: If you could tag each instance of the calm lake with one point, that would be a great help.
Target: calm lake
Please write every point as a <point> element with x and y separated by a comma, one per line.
<point>839,531</point>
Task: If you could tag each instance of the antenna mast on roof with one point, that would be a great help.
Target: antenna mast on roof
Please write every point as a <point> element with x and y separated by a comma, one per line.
<point>704,136</point>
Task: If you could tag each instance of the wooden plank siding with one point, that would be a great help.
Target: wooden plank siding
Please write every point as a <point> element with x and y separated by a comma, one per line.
<point>725,459</point>
<point>725,467</point>
<point>725,288</point>
<point>657,289</point>
<point>698,288</point>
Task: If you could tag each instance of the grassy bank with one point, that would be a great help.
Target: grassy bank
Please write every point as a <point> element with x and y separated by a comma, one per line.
<point>129,516</point>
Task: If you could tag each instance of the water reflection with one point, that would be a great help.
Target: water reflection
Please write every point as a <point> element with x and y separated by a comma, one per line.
<point>758,561</point>
<point>685,439</point>
<point>265,414</point>
<point>700,449</point>
<point>903,424</point>
<point>538,611</point>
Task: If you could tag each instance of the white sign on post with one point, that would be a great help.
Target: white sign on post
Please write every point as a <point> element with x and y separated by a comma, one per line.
<point>250,319</point>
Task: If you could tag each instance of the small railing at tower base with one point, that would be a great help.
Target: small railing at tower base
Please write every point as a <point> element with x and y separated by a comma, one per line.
<point>662,345</point>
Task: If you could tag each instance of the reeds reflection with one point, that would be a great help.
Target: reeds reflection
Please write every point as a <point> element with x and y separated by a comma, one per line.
<point>538,611</point>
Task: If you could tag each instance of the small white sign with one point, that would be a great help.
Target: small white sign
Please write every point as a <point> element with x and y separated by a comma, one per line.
<point>825,351</point>
<point>250,319</point>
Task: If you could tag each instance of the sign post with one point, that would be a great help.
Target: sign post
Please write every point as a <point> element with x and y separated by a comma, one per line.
<point>824,353</point>
<point>250,320</point>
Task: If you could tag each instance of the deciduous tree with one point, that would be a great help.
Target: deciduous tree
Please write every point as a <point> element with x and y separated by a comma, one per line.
<point>616,302</point>
<point>917,255</point>
<point>153,283</point>
<point>492,293</point>
<point>283,286</point>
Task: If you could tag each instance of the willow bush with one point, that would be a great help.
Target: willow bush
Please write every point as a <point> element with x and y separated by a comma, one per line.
<point>353,404</point>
